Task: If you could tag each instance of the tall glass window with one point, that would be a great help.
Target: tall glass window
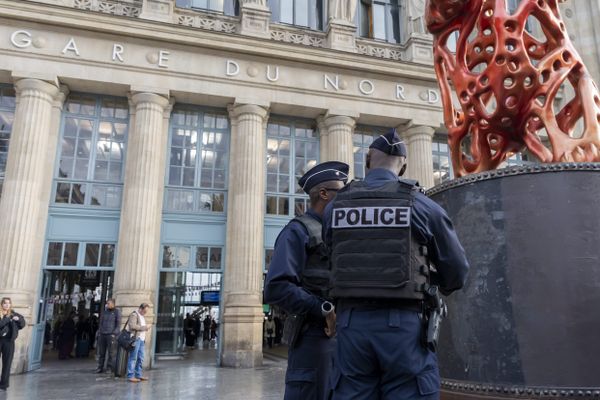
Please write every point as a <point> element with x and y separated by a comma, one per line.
<point>92,152</point>
<point>379,19</point>
<point>292,149</point>
<point>304,13</point>
<point>190,282</point>
<point>7,116</point>
<point>228,7</point>
<point>442,168</point>
<point>362,138</point>
<point>199,154</point>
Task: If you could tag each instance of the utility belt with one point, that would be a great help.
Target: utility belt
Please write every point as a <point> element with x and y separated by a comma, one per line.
<point>403,304</point>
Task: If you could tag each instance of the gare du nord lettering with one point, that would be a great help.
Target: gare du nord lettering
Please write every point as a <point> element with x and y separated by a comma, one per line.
<point>23,39</point>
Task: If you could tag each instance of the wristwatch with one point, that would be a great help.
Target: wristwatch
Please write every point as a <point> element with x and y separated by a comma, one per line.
<point>327,308</point>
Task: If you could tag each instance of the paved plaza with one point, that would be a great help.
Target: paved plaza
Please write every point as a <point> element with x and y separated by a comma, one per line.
<point>196,377</point>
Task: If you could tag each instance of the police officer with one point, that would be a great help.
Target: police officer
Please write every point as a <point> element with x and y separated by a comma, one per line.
<point>383,233</point>
<point>297,282</point>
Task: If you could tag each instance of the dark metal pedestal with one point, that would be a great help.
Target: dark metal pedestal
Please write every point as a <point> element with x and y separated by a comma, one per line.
<point>527,324</point>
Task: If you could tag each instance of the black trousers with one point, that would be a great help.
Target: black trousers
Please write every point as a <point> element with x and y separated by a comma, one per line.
<point>105,344</point>
<point>7,348</point>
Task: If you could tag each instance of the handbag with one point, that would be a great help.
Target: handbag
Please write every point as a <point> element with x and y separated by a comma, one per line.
<point>125,339</point>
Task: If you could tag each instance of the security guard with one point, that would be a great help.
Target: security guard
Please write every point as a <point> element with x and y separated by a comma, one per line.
<point>383,233</point>
<point>298,280</point>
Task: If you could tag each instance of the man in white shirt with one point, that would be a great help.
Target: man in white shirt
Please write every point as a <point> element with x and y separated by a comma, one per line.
<point>136,324</point>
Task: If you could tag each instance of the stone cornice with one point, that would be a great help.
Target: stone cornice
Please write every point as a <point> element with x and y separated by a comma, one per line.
<point>44,14</point>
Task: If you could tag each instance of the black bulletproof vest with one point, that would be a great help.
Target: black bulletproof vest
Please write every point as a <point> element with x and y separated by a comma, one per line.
<point>373,254</point>
<point>315,275</point>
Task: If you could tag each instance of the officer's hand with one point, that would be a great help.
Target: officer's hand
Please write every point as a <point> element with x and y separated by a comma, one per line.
<point>330,328</point>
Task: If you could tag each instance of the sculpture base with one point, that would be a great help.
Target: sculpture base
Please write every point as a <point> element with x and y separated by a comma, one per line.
<point>526,324</point>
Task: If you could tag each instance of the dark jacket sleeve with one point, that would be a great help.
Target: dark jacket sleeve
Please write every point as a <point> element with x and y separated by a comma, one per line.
<point>4,321</point>
<point>21,322</point>
<point>282,284</point>
<point>117,322</point>
<point>445,250</point>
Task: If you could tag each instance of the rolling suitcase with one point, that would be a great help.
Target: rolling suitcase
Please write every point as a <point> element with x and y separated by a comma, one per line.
<point>83,348</point>
<point>121,362</point>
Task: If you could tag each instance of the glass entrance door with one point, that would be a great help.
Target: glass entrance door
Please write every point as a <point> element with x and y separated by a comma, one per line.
<point>68,297</point>
<point>182,293</point>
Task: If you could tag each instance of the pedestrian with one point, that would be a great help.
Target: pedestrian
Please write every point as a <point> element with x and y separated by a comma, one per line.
<point>108,330</point>
<point>10,325</point>
<point>382,233</point>
<point>66,337</point>
<point>136,324</point>
<point>206,324</point>
<point>197,325</point>
<point>213,329</point>
<point>188,329</point>
<point>297,282</point>
<point>278,330</point>
<point>270,330</point>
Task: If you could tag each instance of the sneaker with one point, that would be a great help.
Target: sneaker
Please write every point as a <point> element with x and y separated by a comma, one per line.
<point>143,378</point>
<point>133,380</point>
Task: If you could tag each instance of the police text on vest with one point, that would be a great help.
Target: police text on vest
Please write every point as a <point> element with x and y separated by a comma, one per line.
<point>371,217</point>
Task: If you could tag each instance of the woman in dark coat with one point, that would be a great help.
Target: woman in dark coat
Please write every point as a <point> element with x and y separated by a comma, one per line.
<point>66,338</point>
<point>10,325</point>
<point>188,327</point>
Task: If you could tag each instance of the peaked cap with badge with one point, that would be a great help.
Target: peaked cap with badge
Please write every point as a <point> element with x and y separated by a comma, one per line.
<point>326,171</point>
<point>390,144</point>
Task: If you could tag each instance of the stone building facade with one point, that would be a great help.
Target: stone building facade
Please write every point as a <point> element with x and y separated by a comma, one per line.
<point>149,148</point>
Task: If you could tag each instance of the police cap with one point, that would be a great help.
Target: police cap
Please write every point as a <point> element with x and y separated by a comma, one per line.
<point>390,144</point>
<point>327,171</point>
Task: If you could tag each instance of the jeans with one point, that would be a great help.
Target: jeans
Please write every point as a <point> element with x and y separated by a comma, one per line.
<point>136,359</point>
<point>105,344</point>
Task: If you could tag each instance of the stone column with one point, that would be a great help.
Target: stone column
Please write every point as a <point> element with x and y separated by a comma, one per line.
<point>241,343</point>
<point>340,147</point>
<point>255,18</point>
<point>24,202</point>
<point>141,213</point>
<point>420,158</point>
<point>323,139</point>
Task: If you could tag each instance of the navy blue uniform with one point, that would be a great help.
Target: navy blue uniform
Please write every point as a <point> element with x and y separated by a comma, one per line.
<point>309,362</point>
<point>379,354</point>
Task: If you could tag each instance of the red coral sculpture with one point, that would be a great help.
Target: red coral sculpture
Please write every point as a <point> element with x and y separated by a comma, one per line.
<point>506,81</point>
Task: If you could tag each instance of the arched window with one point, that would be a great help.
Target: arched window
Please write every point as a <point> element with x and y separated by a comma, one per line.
<point>304,13</point>
<point>379,19</point>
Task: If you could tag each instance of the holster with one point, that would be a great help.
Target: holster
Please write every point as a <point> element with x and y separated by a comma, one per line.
<point>292,328</point>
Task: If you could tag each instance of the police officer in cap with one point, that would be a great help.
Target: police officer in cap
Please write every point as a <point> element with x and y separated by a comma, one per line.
<point>384,234</point>
<point>298,282</point>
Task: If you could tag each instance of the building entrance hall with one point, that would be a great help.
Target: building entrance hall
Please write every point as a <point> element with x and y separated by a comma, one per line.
<point>70,305</point>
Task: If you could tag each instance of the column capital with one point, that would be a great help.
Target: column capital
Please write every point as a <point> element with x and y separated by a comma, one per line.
<point>137,98</point>
<point>235,110</point>
<point>330,120</point>
<point>415,130</point>
<point>25,84</point>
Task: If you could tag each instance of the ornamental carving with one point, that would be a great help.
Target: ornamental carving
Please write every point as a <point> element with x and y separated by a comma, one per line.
<point>343,10</point>
<point>373,49</point>
<point>206,22</point>
<point>501,87</point>
<point>297,37</point>
<point>114,7</point>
